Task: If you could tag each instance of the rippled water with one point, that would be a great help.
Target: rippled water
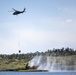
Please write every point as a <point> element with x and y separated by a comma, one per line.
<point>37,73</point>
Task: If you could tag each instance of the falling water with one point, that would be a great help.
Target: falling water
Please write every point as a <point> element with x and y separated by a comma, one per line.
<point>35,61</point>
<point>52,63</point>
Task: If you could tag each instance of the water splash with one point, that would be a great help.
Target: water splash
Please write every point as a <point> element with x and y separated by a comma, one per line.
<point>52,63</point>
<point>35,61</point>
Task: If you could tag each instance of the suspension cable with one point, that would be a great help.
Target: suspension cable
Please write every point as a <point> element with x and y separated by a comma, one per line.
<point>18,35</point>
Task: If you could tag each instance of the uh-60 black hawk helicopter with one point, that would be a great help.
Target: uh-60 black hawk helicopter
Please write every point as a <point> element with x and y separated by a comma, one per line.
<point>16,12</point>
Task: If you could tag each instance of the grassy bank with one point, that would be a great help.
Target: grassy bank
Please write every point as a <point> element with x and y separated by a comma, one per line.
<point>20,64</point>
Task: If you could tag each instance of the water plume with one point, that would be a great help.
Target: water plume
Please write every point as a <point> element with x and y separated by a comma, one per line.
<point>52,63</point>
<point>35,61</point>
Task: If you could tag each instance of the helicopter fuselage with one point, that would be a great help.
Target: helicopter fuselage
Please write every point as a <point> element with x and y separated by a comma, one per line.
<point>17,12</point>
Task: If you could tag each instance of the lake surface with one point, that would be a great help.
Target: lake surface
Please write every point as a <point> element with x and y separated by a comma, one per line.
<point>37,73</point>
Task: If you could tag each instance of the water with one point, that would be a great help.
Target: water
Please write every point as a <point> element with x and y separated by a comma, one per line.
<point>37,73</point>
<point>53,63</point>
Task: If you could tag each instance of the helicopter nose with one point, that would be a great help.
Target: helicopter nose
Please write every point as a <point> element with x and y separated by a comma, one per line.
<point>14,14</point>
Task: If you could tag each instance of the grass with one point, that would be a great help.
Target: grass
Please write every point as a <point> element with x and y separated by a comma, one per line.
<point>6,64</point>
<point>12,64</point>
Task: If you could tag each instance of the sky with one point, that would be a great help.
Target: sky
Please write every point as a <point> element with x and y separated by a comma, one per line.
<point>46,24</point>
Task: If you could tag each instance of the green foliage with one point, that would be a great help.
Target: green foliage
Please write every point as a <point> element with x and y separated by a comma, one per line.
<point>19,61</point>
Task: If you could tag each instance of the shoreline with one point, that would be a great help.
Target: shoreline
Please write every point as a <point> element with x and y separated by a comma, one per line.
<point>29,70</point>
<point>35,70</point>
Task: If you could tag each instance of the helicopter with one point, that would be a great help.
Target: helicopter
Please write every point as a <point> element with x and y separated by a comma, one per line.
<point>16,12</point>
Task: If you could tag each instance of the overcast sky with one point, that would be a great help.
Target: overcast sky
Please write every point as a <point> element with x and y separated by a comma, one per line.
<point>47,24</point>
